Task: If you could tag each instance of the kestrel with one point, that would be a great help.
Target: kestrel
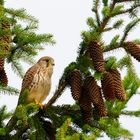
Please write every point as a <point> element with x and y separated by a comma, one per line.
<point>37,81</point>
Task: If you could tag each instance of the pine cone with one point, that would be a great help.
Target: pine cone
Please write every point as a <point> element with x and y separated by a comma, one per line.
<point>5,46</point>
<point>119,89</point>
<point>3,78</point>
<point>5,40</point>
<point>108,86</point>
<point>7,36</point>
<point>75,81</point>
<point>100,107</point>
<point>85,102</point>
<point>5,25</point>
<point>133,49</point>
<point>86,116</point>
<point>1,63</point>
<point>94,92</point>
<point>85,106</point>
<point>96,53</point>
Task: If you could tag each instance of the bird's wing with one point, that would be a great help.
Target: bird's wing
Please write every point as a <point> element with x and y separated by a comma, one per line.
<point>29,78</point>
<point>27,82</point>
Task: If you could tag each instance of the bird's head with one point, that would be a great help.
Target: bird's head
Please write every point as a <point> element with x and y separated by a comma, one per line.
<point>46,61</point>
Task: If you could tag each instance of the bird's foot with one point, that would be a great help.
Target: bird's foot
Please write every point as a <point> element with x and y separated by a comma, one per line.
<point>40,104</point>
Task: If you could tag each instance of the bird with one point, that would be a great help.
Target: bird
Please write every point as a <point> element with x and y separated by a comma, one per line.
<point>37,82</point>
<point>36,85</point>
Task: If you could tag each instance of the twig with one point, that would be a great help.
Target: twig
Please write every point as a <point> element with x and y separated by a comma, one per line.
<point>127,31</point>
<point>119,1</point>
<point>110,49</point>
<point>131,113</point>
<point>106,19</point>
<point>127,10</point>
<point>108,29</point>
<point>57,93</point>
<point>96,12</point>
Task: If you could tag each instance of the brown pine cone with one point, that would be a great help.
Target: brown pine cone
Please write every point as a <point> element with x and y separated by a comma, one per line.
<point>85,102</point>
<point>87,116</point>
<point>94,93</point>
<point>100,107</point>
<point>75,81</point>
<point>119,89</point>
<point>5,40</point>
<point>5,25</point>
<point>133,49</point>
<point>108,86</point>
<point>85,106</point>
<point>1,63</point>
<point>96,54</point>
<point>3,78</point>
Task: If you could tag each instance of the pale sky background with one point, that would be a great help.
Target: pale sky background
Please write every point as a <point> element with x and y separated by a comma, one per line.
<point>65,19</point>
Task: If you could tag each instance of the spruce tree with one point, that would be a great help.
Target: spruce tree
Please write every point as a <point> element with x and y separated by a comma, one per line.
<point>100,93</point>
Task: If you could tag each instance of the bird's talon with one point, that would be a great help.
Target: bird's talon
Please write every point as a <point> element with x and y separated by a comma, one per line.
<point>41,106</point>
<point>36,102</point>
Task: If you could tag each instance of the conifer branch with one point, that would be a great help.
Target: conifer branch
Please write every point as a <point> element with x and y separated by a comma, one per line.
<point>128,10</point>
<point>9,90</point>
<point>95,9</point>
<point>119,1</point>
<point>107,18</point>
<point>109,48</point>
<point>131,113</point>
<point>128,28</point>
<point>57,93</point>
<point>108,29</point>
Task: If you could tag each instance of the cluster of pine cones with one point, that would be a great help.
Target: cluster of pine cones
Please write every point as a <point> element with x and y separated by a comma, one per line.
<point>86,90</point>
<point>88,93</point>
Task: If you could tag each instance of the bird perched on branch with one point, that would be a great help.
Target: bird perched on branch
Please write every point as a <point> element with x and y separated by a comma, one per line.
<point>37,81</point>
<point>36,85</point>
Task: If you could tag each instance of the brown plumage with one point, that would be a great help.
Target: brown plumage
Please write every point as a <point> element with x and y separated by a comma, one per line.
<point>37,80</point>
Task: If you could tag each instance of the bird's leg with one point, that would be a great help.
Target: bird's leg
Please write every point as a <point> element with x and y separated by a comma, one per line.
<point>40,104</point>
<point>36,102</point>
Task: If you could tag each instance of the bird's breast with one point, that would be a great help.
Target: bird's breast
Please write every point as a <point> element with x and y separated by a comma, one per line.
<point>41,87</point>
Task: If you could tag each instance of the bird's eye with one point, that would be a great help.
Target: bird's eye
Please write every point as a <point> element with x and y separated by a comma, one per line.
<point>47,62</point>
